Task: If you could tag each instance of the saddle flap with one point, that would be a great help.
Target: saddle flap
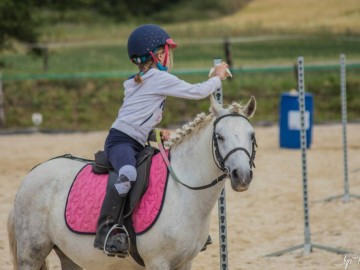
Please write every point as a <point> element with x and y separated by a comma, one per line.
<point>143,165</point>
<point>147,152</point>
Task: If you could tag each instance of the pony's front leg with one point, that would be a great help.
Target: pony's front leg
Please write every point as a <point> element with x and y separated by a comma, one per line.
<point>186,266</point>
<point>165,265</point>
<point>158,265</point>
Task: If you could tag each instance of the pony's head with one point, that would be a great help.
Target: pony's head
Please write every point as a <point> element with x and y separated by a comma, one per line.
<point>234,141</point>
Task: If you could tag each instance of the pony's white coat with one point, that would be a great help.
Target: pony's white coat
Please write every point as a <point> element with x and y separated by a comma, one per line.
<point>36,224</point>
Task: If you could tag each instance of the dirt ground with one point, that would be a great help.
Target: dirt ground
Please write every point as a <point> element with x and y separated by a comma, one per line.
<point>265,219</point>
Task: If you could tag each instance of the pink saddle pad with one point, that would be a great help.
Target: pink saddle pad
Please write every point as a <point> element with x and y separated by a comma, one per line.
<point>87,194</point>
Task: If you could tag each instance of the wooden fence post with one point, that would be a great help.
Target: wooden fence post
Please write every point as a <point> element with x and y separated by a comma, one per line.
<point>228,52</point>
<point>2,109</point>
<point>45,49</point>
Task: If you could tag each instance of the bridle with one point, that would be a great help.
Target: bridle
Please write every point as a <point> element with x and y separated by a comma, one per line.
<point>218,159</point>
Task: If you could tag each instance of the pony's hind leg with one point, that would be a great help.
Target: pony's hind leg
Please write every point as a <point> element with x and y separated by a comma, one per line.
<point>32,247</point>
<point>66,263</point>
<point>23,256</point>
<point>31,255</point>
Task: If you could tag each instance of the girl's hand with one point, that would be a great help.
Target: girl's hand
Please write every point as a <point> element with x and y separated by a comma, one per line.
<point>221,70</point>
<point>165,134</point>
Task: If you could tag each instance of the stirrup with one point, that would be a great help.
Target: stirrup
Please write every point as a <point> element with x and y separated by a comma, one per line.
<point>122,230</point>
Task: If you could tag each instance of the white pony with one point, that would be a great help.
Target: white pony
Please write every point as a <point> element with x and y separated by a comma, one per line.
<point>201,151</point>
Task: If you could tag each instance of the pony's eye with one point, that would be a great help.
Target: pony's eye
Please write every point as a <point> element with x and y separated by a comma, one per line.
<point>219,137</point>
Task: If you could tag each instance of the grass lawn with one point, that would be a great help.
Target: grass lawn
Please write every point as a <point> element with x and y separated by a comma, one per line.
<point>106,58</point>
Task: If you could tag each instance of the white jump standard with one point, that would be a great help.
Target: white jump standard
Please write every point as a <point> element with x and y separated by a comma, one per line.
<point>346,196</point>
<point>307,246</point>
<point>222,203</point>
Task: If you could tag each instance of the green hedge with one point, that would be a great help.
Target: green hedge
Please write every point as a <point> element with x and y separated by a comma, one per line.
<point>92,104</point>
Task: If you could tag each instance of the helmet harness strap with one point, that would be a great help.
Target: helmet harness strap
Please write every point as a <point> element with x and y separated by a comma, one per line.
<point>161,66</point>
<point>166,55</point>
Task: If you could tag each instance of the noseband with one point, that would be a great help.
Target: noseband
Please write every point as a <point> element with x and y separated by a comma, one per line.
<point>219,159</point>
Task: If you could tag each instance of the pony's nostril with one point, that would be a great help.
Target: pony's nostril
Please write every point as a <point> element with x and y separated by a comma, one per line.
<point>234,174</point>
<point>237,175</point>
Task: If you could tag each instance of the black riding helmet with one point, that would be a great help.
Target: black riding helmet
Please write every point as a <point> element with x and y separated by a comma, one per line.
<point>144,41</point>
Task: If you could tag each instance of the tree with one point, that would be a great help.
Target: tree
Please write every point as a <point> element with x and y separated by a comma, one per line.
<point>17,21</point>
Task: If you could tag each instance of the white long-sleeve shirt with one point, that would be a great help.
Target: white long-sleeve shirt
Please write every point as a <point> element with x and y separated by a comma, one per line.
<point>143,103</point>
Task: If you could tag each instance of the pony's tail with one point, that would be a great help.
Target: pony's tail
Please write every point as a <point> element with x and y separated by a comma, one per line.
<point>13,245</point>
<point>12,239</point>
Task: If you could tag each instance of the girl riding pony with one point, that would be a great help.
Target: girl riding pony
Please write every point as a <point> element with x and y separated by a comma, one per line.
<point>150,48</point>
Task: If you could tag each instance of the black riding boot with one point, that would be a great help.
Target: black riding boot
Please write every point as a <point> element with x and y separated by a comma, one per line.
<point>109,233</point>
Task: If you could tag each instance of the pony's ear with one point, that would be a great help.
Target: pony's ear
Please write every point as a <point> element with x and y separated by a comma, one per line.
<point>250,108</point>
<point>216,108</point>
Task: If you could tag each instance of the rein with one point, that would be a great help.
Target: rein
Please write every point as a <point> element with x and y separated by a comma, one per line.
<point>220,161</point>
<point>171,170</point>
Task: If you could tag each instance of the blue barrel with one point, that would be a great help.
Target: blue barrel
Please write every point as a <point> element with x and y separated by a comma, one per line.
<point>289,120</point>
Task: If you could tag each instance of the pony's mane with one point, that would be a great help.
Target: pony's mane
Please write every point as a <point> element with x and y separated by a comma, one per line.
<point>200,120</point>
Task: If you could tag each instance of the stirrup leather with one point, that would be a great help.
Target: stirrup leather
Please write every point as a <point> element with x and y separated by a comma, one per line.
<point>122,231</point>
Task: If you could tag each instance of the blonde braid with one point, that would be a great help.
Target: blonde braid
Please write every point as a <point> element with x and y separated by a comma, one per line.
<point>143,68</point>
